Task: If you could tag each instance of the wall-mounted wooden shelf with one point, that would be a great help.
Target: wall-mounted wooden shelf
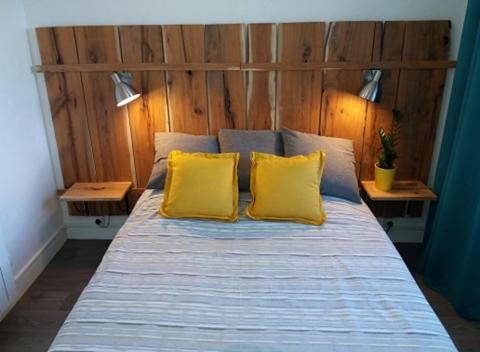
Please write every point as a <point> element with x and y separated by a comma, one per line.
<point>401,191</point>
<point>96,192</point>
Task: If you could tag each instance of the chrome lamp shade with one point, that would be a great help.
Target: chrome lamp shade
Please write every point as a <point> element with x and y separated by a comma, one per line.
<point>124,92</point>
<point>371,88</point>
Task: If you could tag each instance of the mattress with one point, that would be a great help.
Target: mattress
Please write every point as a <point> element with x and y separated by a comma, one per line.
<point>196,285</point>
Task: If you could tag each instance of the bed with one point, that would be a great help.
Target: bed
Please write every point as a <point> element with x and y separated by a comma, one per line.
<point>192,285</point>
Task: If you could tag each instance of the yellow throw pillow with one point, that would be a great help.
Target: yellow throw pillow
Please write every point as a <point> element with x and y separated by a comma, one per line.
<point>201,185</point>
<point>286,188</point>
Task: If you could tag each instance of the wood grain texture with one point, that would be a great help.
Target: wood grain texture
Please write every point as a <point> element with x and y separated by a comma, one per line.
<point>350,41</point>
<point>401,191</point>
<point>388,46</point>
<point>419,97</point>
<point>198,79</point>
<point>343,116</point>
<point>108,123</point>
<point>210,66</point>
<point>226,90</point>
<point>187,91</point>
<point>261,90</point>
<point>299,94</point>
<point>148,114</point>
<point>67,105</point>
<point>96,191</point>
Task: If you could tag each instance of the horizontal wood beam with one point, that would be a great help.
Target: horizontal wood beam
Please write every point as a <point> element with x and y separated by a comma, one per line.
<point>345,65</point>
<point>341,65</point>
<point>138,67</point>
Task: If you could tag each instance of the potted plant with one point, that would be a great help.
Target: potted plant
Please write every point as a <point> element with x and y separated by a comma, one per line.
<point>385,167</point>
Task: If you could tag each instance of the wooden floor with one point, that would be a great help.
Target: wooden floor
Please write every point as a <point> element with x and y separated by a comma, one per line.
<point>34,321</point>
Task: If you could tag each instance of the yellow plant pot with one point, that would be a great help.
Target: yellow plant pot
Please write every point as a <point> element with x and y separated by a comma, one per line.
<point>384,178</point>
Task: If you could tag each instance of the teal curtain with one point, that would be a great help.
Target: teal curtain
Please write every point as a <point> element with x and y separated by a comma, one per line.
<point>451,261</point>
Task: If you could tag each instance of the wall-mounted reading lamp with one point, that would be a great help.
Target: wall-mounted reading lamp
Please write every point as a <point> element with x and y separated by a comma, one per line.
<point>124,92</point>
<point>371,88</point>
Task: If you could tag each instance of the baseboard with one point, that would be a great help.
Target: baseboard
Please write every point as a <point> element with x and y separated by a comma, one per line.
<point>34,267</point>
<point>408,230</point>
<point>405,230</point>
<point>84,227</point>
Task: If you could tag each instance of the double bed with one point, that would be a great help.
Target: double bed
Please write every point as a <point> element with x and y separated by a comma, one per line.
<point>196,285</point>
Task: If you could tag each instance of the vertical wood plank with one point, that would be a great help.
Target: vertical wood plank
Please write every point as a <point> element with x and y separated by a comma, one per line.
<point>419,97</point>
<point>108,123</point>
<point>343,116</point>
<point>147,115</point>
<point>187,91</point>
<point>226,90</point>
<point>388,47</point>
<point>261,85</point>
<point>299,94</point>
<point>350,41</point>
<point>67,104</point>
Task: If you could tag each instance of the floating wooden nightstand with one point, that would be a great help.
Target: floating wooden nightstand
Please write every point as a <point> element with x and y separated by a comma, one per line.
<point>97,192</point>
<point>402,191</point>
<point>399,198</point>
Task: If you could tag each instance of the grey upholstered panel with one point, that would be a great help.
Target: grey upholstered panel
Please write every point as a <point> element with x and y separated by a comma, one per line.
<point>165,142</point>
<point>245,142</point>
<point>339,178</point>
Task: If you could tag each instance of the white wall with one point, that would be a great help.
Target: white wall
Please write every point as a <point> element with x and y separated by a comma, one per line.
<point>89,12</point>
<point>30,215</point>
<point>93,12</point>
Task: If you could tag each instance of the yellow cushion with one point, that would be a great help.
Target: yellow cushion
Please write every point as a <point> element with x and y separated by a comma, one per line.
<point>286,188</point>
<point>201,185</point>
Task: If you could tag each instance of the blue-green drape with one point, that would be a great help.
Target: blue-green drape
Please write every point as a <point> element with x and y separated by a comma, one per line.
<point>451,260</point>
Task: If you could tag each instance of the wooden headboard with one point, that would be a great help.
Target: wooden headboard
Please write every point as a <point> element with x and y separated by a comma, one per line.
<point>200,78</point>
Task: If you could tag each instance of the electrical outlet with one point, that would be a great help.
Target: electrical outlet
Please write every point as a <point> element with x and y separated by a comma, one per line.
<point>103,222</point>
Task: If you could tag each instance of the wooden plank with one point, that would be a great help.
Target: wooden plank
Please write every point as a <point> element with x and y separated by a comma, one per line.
<point>401,191</point>
<point>96,191</point>
<point>112,67</point>
<point>261,92</point>
<point>387,47</point>
<point>357,65</point>
<point>148,114</point>
<point>67,104</point>
<point>377,115</point>
<point>343,116</point>
<point>350,41</point>
<point>299,94</point>
<point>108,123</point>
<point>187,91</point>
<point>333,65</point>
<point>419,97</point>
<point>226,90</point>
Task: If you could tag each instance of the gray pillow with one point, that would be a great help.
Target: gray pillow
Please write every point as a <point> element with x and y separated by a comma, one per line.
<point>165,142</point>
<point>339,178</point>
<point>244,142</point>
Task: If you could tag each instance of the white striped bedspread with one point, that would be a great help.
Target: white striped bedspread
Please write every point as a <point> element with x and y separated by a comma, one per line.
<point>190,285</point>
